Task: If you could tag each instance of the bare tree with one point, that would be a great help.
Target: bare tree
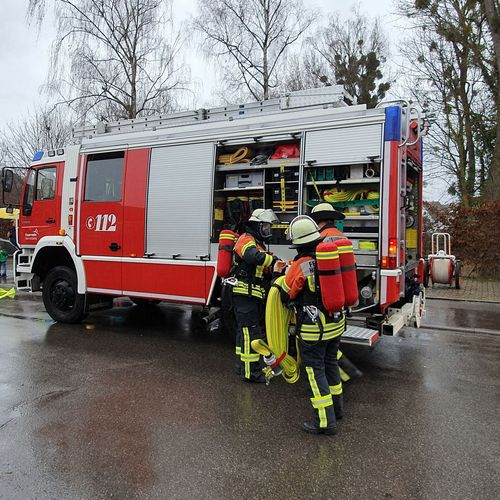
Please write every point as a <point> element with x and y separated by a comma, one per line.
<point>491,10</point>
<point>114,58</point>
<point>250,39</point>
<point>45,128</point>
<point>443,75</point>
<point>351,52</point>
<point>306,69</point>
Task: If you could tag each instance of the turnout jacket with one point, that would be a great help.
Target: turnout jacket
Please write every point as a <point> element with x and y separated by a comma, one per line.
<point>331,230</point>
<point>301,284</point>
<point>252,261</point>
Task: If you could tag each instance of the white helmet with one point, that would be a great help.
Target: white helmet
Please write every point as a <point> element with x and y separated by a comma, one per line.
<point>302,231</point>
<point>263,218</point>
<point>263,215</point>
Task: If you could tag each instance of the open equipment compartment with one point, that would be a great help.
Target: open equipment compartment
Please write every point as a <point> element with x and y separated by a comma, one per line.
<point>260,174</point>
<point>349,179</point>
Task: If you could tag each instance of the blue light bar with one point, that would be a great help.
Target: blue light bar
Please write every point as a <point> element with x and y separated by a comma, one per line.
<point>38,156</point>
<point>392,123</point>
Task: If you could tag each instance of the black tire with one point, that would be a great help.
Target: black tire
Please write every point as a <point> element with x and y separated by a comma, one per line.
<point>142,302</point>
<point>60,296</point>
<point>426,274</point>
<point>458,275</point>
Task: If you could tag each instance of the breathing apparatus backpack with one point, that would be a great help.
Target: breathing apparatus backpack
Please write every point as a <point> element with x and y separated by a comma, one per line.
<point>337,274</point>
<point>330,277</point>
<point>348,271</point>
<point>227,240</point>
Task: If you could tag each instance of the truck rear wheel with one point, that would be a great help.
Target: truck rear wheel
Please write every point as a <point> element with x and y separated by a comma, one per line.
<point>60,295</point>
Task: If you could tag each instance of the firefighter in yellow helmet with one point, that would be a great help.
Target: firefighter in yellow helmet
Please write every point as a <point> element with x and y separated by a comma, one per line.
<point>253,261</point>
<point>319,333</point>
<point>325,216</point>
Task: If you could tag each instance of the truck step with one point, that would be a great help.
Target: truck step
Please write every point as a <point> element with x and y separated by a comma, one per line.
<point>360,335</point>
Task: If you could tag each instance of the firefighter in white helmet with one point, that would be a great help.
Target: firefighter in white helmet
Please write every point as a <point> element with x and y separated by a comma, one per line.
<point>253,262</point>
<point>318,332</point>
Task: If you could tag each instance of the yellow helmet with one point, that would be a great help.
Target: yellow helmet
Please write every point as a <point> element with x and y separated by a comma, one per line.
<point>302,231</point>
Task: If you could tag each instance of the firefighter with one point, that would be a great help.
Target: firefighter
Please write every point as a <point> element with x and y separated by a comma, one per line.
<point>253,263</point>
<point>325,216</point>
<point>319,333</point>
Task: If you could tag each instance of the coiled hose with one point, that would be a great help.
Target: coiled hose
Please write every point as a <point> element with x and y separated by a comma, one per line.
<point>7,293</point>
<point>242,155</point>
<point>342,196</point>
<point>278,318</point>
<point>347,196</point>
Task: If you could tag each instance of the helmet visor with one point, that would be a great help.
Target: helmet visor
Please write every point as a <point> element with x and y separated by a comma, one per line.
<point>265,231</point>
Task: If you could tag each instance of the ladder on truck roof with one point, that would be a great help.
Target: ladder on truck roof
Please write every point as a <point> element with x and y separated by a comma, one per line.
<point>324,97</point>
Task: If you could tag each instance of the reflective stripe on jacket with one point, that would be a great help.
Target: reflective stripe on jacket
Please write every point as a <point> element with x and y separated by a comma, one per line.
<point>252,260</point>
<point>300,285</point>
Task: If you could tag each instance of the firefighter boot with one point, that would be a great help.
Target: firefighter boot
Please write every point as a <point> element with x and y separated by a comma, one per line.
<point>324,416</point>
<point>338,406</point>
<point>312,427</point>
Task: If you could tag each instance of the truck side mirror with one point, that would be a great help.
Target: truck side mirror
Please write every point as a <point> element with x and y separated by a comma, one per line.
<point>7,179</point>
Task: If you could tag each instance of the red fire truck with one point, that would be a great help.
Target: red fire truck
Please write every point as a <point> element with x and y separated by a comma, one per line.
<point>136,209</point>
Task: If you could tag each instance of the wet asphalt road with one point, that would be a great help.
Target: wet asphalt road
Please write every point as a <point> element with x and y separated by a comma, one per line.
<point>144,404</point>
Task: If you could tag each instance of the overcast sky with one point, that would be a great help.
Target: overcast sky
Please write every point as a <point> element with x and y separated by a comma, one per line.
<point>24,55</point>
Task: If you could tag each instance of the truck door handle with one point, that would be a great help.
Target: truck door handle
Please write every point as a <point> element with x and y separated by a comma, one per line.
<point>114,247</point>
<point>50,220</point>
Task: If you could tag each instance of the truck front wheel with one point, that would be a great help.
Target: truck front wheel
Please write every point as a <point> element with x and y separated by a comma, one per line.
<point>60,295</point>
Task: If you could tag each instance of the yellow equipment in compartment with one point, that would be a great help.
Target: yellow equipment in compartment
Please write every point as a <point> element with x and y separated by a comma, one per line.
<point>284,204</point>
<point>242,155</point>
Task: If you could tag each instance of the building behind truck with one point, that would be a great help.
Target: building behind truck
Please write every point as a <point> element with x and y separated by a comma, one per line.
<point>136,209</point>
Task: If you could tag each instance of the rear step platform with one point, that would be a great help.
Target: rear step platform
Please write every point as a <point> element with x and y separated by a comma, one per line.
<point>360,336</point>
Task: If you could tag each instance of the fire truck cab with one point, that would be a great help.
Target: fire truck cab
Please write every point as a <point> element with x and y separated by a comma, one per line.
<point>136,208</point>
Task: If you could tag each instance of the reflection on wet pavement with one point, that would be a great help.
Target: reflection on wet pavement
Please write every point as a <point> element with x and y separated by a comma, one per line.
<point>463,314</point>
<point>143,403</point>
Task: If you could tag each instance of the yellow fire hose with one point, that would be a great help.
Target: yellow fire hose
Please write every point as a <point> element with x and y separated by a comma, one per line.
<point>242,155</point>
<point>7,293</point>
<point>278,318</point>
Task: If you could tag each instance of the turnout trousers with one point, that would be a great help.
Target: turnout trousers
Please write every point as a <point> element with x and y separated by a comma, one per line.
<point>249,316</point>
<point>322,370</point>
